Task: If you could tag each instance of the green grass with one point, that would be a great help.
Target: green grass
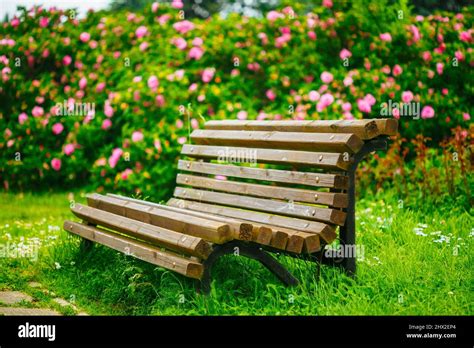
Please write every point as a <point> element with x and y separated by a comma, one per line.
<point>402,273</point>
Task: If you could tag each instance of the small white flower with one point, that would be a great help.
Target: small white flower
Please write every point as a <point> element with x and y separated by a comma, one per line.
<point>57,265</point>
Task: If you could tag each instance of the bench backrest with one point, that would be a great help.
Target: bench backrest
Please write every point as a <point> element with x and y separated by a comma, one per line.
<point>287,173</point>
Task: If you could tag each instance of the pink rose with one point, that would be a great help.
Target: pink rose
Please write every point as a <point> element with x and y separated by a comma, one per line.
<point>312,35</point>
<point>153,82</point>
<point>345,53</point>
<point>242,115</point>
<point>348,81</point>
<point>325,100</point>
<point>143,46</point>
<point>466,116</point>
<point>37,111</point>
<point>426,55</point>
<point>207,75</point>
<point>397,70</point>
<point>180,43</point>
<point>56,164</point>
<point>407,96</point>
<point>43,22</point>
<point>386,37</point>
<point>197,41</point>
<point>15,22</point>
<point>327,3</point>
<point>137,136</point>
<point>84,37</point>
<point>69,149</point>
<point>22,118</point>
<point>106,124</point>
<point>465,36</point>
<point>364,105</point>
<point>326,77</point>
<point>195,53</point>
<point>270,95</point>
<point>274,15</point>
<point>177,4</point>
<point>108,110</point>
<point>67,60</point>
<point>183,27</point>
<point>415,32</point>
<point>369,98</point>
<point>313,96</point>
<point>82,83</point>
<point>141,31</point>
<point>126,173</point>
<point>100,87</point>
<point>396,113</point>
<point>439,68</point>
<point>427,112</point>
<point>58,128</point>
<point>154,7</point>
<point>346,107</point>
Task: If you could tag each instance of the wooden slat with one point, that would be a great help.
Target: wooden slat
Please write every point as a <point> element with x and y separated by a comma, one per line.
<point>338,200</point>
<point>240,229</point>
<point>142,251</point>
<point>274,175</point>
<point>156,235</point>
<point>326,160</point>
<point>210,230</point>
<point>365,129</point>
<point>322,142</point>
<point>325,231</point>
<point>293,240</point>
<point>328,215</point>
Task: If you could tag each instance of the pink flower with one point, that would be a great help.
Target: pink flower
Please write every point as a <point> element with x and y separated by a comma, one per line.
<point>195,53</point>
<point>397,70</point>
<point>43,22</point>
<point>15,22</point>
<point>177,4</point>
<point>426,55</point>
<point>69,149</point>
<point>407,96</point>
<point>459,55</point>
<point>143,46</point>
<point>180,43</point>
<point>183,27</point>
<point>153,82</point>
<point>312,35</point>
<point>154,7</point>
<point>364,105</point>
<point>141,31</point>
<point>106,124</point>
<point>207,75</point>
<point>82,83</point>
<point>326,77</point>
<point>126,173</point>
<point>56,164</point>
<point>114,158</point>
<point>327,3</point>
<point>369,98</point>
<point>179,123</point>
<point>270,95</point>
<point>346,107</point>
<point>325,100</point>
<point>274,15</point>
<point>465,36</point>
<point>396,113</point>
<point>137,136</point>
<point>192,87</point>
<point>415,32</point>
<point>100,87</point>
<point>160,100</point>
<point>182,140</point>
<point>108,110</point>
<point>58,128</point>
<point>67,60</point>
<point>427,112</point>
<point>313,96</point>
<point>157,145</point>
<point>84,37</point>
<point>22,118</point>
<point>194,123</point>
<point>197,41</point>
<point>439,68</point>
<point>466,116</point>
<point>386,37</point>
<point>242,115</point>
<point>345,53</point>
<point>37,111</point>
<point>348,81</point>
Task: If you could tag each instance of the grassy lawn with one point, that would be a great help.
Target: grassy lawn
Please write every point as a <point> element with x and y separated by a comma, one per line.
<point>416,262</point>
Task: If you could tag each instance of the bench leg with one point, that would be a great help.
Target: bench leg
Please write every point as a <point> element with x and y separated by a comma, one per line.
<point>249,251</point>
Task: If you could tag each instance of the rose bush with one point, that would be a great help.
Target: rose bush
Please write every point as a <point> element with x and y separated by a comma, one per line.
<point>151,76</point>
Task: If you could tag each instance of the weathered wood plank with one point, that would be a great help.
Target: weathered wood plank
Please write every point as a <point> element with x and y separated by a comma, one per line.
<point>326,160</point>
<point>322,142</point>
<point>210,230</point>
<point>239,229</point>
<point>338,200</point>
<point>142,251</point>
<point>328,215</point>
<point>365,129</point>
<point>156,235</point>
<point>275,175</point>
<point>326,232</point>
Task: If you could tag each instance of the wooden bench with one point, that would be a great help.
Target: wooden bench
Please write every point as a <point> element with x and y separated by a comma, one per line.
<point>248,188</point>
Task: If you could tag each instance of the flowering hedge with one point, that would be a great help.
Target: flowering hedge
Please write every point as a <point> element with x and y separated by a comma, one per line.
<point>143,75</point>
